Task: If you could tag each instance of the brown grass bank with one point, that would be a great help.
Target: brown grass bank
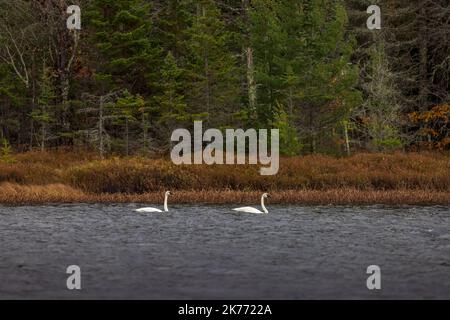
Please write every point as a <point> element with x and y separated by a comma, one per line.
<point>37,178</point>
<point>14,194</point>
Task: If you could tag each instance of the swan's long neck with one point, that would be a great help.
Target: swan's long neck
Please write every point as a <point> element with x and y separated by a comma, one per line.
<point>166,209</point>
<point>263,206</point>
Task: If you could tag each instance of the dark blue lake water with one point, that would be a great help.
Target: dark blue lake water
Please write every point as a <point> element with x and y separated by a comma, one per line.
<point>209,252</point>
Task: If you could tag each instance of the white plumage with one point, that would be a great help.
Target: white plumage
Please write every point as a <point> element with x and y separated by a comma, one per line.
<point>150,210</point>
<point>254,210</point>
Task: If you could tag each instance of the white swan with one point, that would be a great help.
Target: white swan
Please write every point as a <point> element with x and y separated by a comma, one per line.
<point>254,210</point>
<point>166,209</point>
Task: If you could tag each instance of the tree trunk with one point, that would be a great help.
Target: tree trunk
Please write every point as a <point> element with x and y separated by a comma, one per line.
<point>127,141</point>
<point>144,132</point>
<point>347,141</point>
<point>65,84</point>
<point>207,77</point>
<point>33,97</point>
<point>100,128</point>
<point>43,134</point>
<point>207,87</point>
<point>423,66</point>
<point>251,83</point>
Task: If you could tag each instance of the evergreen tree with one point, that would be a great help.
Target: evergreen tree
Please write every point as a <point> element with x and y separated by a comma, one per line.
<point>211,69</point>
<point>327,78</point>
<point>45,114</point>
<point>303,63</point>
<point>11,103</point>
<point>124,113</point>
<point>171,108</point>
<point>122,33</point>
<point>267,41</point>
<point>174,19</point>
<point>171,101</point>
<point>289,142</point>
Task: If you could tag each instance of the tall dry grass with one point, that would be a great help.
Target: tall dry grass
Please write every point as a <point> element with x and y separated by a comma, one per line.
<point>363,171</point>
<point>362,178</point>
<point>15,194</point>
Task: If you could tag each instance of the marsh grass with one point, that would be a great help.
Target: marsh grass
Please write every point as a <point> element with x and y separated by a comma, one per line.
<point>14,194</point>
<point>361,179</point>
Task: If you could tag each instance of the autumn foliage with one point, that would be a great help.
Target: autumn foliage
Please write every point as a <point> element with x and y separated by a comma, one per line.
<point>434,126</point>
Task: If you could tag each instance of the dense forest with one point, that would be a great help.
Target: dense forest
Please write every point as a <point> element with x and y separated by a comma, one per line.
<point>138,69</point>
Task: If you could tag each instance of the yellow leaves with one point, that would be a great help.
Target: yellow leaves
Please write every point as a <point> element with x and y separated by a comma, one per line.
<point>434,125</point>
<point>414,117</point>
<point>429,132</point>
<point>439,112</point>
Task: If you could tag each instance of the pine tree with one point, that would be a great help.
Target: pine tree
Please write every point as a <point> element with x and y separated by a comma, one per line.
<point>171,102</point>
<point>45,114</point>
<point>211,69</point>
<point>6,152</point>
<point>302,58</point>
<point>267,41</point>
<point>12,101</point>
<point>289,142</point>
<point>174,18</point>
<point>122,33</point>
<point>124,113</point>
<point>170,108</point>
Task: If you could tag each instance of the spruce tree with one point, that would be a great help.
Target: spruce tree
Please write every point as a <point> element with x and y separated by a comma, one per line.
<point>122,34</point>
<point>302,58</point>
<point>12,102</point>
<point>121,31</point>
<point>173,20</point>
<point>124,113</point>
<point>173,108</point>
<point>45,114</point>
<point>267,41</point>
<point>327,79</point>
<point>170,107</point>
<point>211,69</point>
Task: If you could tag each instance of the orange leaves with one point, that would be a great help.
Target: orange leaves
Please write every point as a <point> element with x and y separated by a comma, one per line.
<point>439,112</point>
<point>429,132</point>
<point>434,125</point>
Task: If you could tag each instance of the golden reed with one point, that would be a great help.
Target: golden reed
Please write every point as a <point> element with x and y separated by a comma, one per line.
<point>61,177</point>
<point>14,194</point>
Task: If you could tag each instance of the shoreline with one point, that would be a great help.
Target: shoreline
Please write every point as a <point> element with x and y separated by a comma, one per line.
<point>17,195</point>
<point>362,179</point>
